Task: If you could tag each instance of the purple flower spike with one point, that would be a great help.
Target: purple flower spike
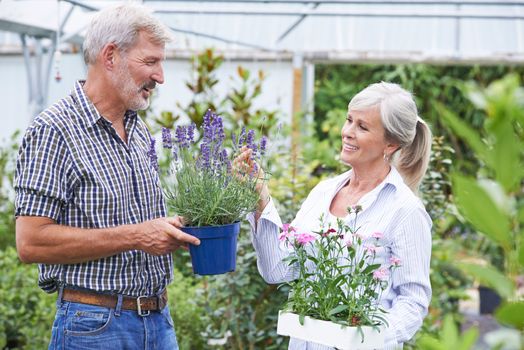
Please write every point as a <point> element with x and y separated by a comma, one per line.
<point>205,160</point>
<point>153,158</point>
<point>263,145</point>
<point>208,126</point>
<point>191,133</point>
<point>223,156</point>
<point>218,129</point>
<point>180,136</point>
<point>234,139</point>
<point>250,141</point>
<point>167,140</point>
<point>242,137</point>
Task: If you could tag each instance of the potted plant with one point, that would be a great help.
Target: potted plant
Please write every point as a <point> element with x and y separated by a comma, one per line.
<point>207,193</point>
<point>335,300</point>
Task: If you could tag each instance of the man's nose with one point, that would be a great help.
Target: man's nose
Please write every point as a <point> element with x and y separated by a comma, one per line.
<point>158,75</point>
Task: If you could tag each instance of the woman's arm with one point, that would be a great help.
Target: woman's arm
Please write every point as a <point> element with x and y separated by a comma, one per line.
<point>410,282</point>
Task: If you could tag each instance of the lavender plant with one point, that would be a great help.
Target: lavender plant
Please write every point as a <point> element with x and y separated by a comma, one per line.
<point>339,279</point>
<point>205,190</point>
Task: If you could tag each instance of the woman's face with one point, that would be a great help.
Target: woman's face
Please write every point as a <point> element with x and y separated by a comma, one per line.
<point>363,141</point>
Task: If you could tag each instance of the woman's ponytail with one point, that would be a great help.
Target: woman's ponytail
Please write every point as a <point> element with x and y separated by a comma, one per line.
<point>412,160</point>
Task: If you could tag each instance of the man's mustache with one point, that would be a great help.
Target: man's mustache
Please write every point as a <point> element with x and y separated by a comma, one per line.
<point>150,85</point>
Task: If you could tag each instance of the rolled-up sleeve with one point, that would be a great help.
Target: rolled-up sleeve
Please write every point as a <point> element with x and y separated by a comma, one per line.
<point>41,173</point>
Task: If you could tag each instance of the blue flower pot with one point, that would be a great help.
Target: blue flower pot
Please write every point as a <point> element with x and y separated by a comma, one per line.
<point>217,251</point>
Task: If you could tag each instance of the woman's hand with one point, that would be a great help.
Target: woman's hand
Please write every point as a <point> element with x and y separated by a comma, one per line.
<point>245,165</point>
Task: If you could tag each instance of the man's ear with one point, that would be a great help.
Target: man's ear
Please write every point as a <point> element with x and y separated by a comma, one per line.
<point>107,55</point>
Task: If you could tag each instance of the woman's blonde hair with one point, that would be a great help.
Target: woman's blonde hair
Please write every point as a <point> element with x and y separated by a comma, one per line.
<point>402,126</point>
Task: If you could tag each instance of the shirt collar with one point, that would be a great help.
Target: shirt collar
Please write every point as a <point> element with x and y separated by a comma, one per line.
<point>393,178</point>
<point>89,111</point>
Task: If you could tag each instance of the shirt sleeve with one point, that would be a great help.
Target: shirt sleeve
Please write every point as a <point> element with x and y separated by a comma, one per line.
<point>410,281</point>
<point>270,251</point>
<point>41,173</point>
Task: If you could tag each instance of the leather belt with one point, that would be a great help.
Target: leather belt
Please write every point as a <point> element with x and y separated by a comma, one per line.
<point>142,304</point>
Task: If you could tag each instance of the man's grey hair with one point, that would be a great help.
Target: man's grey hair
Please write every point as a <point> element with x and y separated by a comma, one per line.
<point>121,25</point>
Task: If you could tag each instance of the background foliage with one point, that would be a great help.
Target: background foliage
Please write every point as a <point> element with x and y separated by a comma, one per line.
<point>238,310</point>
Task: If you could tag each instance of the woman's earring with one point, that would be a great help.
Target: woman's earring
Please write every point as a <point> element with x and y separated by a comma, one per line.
<point>386,157</point>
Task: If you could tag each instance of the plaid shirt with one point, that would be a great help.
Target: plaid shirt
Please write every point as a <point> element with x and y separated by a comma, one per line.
<point>73,168</point>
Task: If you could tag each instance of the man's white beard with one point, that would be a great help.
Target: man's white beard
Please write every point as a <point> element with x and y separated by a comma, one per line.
<point>128,90</point>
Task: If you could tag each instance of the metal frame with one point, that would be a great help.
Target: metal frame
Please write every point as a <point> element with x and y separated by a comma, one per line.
<point>38,69</point>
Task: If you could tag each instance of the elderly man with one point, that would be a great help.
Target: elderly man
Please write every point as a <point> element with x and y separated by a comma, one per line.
<point>89,206</point>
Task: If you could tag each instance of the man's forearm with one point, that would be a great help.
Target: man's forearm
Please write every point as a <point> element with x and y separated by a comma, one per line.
<point>41,240</point>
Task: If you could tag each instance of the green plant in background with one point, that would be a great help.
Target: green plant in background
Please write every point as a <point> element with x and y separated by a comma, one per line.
<point>7,208</point>
<point>449,338</point>
<point>493,202</point>
<point>202,84</point>
<point>239,102</point>
<point>26,312</point>
<point>186,311</point>
<point>241,309</point>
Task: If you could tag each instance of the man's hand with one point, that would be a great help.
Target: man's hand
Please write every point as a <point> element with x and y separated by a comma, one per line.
<point>42,240</point>
<point>162,236</point>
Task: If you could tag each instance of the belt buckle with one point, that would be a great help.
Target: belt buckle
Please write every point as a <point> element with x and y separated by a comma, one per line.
<point>139,307</point>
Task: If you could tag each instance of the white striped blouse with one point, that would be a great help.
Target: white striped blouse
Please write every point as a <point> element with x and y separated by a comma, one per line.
<point>392,209</point>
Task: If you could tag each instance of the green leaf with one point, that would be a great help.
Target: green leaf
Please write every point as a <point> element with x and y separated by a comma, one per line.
<point>481,211</point>
<point>521,214</point>
<point>449,333</point>
<point>469,339</point>
<point>338,309</point>
<point>512,314</point>
<point>490,277</point>
<point>521,249</point>
<point>370,268</point>
<point>506,154</point>
<point>429,343</point>
<point>464,131</point>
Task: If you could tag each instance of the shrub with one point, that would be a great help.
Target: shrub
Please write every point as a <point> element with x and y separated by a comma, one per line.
<point>27,312</point>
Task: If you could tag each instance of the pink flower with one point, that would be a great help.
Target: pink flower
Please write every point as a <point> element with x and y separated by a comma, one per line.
<point>381,274</point>
<point>287,227</point>
<point>370,249</point>
<point>305,238</point>
<point>287,231</point>
<point>377,235</point>
<point>331,230</point>
<point>358,236</point>
<point>394,261</point>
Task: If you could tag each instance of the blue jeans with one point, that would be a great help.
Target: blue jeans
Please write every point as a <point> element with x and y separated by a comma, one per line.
<point>81,326</point>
